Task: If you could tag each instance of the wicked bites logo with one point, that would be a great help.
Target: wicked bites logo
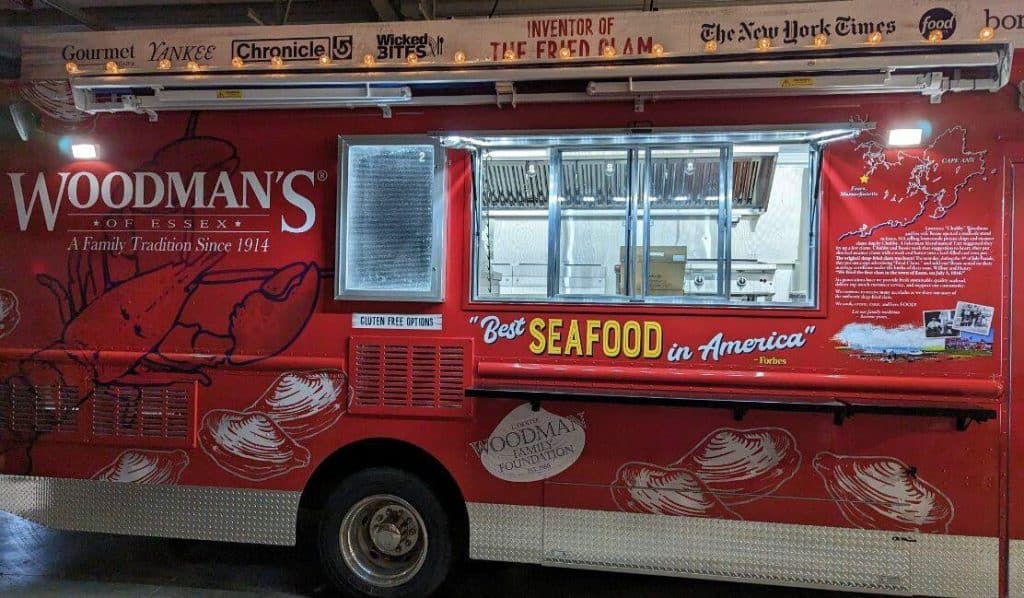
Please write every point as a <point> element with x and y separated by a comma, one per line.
<point>295,49</point>
<point>937,19</point>
<point>391,46</point>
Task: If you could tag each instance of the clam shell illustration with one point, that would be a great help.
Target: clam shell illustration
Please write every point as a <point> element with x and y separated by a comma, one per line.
<point>648,488</point>
<point>145,467</point>
<point>882,493</point>
<point>10,315</point>
<point>304,404</point>
<point>250,445</point>
<point>741,466</point>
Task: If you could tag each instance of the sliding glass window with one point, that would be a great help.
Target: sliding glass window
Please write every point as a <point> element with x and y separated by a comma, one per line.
<point>648,221</point>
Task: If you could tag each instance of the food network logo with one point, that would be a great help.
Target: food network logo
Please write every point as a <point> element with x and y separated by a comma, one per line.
<point>296,49</point>
<point>937,19</point>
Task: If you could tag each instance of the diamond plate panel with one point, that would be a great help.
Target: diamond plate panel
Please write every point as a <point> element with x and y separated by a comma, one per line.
<point>755,551</point>
<point>1015,564</point>
<point>966,566</point>
<point>506,532</point>
<point>194,512</point>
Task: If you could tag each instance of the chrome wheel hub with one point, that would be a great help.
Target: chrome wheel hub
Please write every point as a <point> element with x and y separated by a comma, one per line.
<point>394,530</point>
<point>383,540</point>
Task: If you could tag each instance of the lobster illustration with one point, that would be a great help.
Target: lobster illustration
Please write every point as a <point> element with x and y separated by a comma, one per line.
<point>134,318</point>
<point>163,320</point>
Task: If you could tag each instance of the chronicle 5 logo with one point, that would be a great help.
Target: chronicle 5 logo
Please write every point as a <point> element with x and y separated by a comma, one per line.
<point>937,19</point>
<point>338,47</point>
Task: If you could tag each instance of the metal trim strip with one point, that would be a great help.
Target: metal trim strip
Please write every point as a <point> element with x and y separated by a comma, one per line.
<point>962,388</point>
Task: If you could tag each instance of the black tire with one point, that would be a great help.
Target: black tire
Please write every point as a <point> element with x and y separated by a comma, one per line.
<point>372,482</point>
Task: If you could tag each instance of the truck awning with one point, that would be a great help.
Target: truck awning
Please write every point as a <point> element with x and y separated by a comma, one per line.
<point>927,69</point>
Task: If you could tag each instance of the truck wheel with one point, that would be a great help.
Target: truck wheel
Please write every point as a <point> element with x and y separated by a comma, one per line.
<point>384,533</point>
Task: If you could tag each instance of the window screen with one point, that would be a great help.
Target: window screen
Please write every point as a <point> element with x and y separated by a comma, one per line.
<point>390,220</point>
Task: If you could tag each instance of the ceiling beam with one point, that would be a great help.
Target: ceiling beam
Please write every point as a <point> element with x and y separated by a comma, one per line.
<point>385,12</point>
<point>477,8</point>
<point>190,15</point>
<point>76,14</point>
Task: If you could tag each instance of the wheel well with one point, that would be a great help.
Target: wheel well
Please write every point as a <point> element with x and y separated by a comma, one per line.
<point>388,452</point>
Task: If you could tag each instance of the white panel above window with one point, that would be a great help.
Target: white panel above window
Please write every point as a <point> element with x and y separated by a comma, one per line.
<point>391,219</point>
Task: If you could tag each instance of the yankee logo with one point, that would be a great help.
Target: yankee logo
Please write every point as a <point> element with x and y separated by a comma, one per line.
<point>159,191</point>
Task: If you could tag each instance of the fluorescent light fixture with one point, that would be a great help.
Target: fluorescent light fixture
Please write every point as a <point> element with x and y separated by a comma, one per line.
<point>756,149</point>
<point>588,198</point>
<point>905,137</point>
<point>513,154</point>
<point>84,151</point>
<point>681,198</point>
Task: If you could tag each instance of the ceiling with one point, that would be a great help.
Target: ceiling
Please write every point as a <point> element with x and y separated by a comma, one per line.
<point>21,16</point>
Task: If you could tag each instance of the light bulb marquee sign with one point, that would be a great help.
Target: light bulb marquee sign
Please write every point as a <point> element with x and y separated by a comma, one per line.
<point>527,40</point>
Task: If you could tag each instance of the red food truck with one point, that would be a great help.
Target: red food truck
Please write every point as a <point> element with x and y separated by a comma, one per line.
<point>708,293</point>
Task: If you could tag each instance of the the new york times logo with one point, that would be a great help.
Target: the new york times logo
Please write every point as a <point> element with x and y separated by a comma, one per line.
<point>295,49</point>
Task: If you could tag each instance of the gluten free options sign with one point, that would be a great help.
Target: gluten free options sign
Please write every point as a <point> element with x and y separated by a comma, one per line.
<point>397,321</point>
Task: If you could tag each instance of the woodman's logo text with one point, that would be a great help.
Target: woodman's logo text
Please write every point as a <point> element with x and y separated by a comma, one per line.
<point>162,192</point>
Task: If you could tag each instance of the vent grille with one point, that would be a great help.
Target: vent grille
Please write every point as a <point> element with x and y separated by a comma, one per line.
<point>152,415</point>
<point>39,409</point>
<point>410,378</point>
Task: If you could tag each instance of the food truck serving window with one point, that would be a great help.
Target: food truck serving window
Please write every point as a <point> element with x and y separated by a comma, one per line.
<point>390,219</point>
<point>701,219</point>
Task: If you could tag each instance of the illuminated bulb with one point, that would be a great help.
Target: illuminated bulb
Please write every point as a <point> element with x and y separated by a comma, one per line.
<point>237,62</point>
<point>71,68</point>
<point>711,46</point>
<point>657,50</point>
<point>764,44</point>
<point>986,34</point>
<point>276,62</point>
<point>324,59</point>
<point>509,55</point>
<point>935,35</point>
<point>564,53</point>
<point>368,59</point>
<point>875,38</point>
<point>460,57</point>
<point>412,59</point>
<point>111,67</point>
<point>192,65</point>
<point>608,51</point>
<point>820,40</point>
<point>164,64</point>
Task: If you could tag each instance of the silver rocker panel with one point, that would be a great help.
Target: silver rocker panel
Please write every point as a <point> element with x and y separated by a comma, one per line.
<point>164,510</point>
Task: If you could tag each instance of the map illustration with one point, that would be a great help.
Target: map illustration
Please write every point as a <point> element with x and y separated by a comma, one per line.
<point>935,177</point>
